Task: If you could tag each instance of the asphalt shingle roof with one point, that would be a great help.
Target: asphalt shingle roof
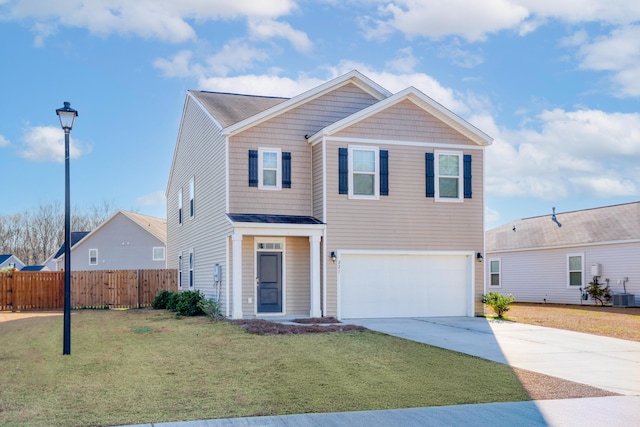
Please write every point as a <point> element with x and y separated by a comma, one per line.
<point>604,224</point>
<point>231,108</point>
<point>76,236</point>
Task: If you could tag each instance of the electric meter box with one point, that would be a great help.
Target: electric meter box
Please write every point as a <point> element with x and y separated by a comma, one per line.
<point>596,270</point>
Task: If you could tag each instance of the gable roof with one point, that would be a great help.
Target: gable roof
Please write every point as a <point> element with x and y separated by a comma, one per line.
<point>76,236</point>
<point>421,100</point>
<point>608,224</point>
<point>32,268</point>
<point>155,226</point>
<point>4,257</point>
<point>230,108</point>
<point>353,77</point>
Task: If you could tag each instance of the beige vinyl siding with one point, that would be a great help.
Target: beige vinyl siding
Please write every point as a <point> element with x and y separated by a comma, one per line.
<point>318,183</point>
<point>541,274</point>
<point>298,286</point>
<point>200,154</point>
<point>404,121</point>
<point>406,219</point>
<point>248,276</point>
<point>287,132</point>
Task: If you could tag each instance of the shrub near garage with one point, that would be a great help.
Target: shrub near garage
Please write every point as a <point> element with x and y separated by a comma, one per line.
<point>498,302</point>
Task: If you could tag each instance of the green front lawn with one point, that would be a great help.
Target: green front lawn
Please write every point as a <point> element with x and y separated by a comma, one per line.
<point>142,366</point>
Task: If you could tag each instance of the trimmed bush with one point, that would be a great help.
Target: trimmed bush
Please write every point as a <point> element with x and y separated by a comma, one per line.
<point>188,303</point>
<point>160,301</point>
<point>172,301</point>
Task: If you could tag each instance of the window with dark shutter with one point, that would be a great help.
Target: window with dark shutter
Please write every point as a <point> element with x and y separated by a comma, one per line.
<point>286,170</point>
<point>253,168</point>
<point>384,172</point>
<point>343,170</point>
<point>467,176</point>
<point>430,175</point>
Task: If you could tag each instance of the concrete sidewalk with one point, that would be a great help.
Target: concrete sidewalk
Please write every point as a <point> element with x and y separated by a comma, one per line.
<point>614,411</point>
<point>607,363</point>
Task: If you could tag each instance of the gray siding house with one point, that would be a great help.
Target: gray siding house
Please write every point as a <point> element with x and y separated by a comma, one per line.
<point>346,200</point>
<point>125,241</point>
<point>540,260</point>
<point>10,260</point>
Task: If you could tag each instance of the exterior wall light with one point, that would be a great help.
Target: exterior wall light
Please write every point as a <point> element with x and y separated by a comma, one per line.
<point>333,257</point>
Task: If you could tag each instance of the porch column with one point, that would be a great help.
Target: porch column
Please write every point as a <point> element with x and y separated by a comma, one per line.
<point>314,244</point>
<point>237,276</point>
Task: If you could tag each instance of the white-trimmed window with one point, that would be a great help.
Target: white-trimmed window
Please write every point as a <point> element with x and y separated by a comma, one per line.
<point>269,169</point>
<point>180,270</point>
<point>495,273</point>
<point>575,270</point>
<point>192,194</point>
<point>158,253</point>
<point>364,172</point>
<point>180,207</point>
<point>448,176</point>
<point>190,268</point>
<point>93,257</point>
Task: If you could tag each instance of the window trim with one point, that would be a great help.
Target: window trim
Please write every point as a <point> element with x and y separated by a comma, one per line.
<point>191,270</point>
<point>163,253</point>
<point>180,207</point>
<point>499,273</point>
<point>180,270</point>
<point>569,271</point>
<point>93,263</point>
<point>376,172</point>
<point>192,197</point>
<point>460,177</point>
<point>278,153</point>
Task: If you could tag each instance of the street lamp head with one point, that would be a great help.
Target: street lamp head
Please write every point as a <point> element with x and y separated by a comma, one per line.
<point>67,116</point>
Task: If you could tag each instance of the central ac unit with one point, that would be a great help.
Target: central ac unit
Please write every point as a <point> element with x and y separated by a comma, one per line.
<point>624,300</point>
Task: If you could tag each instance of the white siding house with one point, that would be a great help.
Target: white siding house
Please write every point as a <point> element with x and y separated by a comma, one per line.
<point>544,261</point>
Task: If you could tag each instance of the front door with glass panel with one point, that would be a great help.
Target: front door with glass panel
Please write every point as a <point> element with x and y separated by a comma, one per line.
<point>269,282</point>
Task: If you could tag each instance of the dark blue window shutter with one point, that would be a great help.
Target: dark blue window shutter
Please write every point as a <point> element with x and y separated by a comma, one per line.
<point>430,175</point>
<point>286,170</point>
<point>253,168</point>
<point>384,173</point>
<point>343,170</point>
<point>467,176</point>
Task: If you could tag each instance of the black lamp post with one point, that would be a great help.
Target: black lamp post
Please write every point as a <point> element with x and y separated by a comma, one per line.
<point>67,116</point>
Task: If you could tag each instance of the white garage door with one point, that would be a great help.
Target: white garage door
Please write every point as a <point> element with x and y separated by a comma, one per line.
<point>392,285</point>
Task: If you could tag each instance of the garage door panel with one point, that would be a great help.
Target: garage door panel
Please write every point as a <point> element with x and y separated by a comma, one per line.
<point>403,285</point>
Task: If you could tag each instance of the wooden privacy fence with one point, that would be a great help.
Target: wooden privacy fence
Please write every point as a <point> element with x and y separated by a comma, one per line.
<point>44,290</point>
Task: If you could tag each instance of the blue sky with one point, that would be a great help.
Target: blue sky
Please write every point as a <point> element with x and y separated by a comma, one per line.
<point>555,83</point>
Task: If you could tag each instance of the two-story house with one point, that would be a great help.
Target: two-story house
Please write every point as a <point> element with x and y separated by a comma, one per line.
<point>346,200</point>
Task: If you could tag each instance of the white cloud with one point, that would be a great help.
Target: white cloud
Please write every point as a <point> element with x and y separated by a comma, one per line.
<point>165,20</point>
<point>472,20</point>
<point>46,144</point>
<point>404,62</point>
<point>265,29</point>
<point>3,141</point>
<point>268,85</point>
<point>152,199</point>
<point>618,53</point>
<point>573,153</point>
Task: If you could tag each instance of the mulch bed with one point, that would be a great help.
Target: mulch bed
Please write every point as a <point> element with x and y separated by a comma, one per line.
<point>313,326</point>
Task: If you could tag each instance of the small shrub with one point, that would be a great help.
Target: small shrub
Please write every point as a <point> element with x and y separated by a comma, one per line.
<point>498,302</point>
<point>172,301</point>
<point>188,303</point>
<point>160,301</point>
<point>599,293</point>
<point>211,308</point>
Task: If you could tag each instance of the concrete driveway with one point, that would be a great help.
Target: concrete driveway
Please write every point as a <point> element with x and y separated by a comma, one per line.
<point>607,363</point>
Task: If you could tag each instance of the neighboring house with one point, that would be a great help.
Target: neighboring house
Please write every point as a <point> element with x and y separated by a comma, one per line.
<point>9,260</point>
<point>344,201</point>
<point>539,260</point>
<point>35,268</point>
<point>125,241</point>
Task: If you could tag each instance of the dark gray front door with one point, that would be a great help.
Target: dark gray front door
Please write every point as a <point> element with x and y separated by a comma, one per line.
<point>269,282</point>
